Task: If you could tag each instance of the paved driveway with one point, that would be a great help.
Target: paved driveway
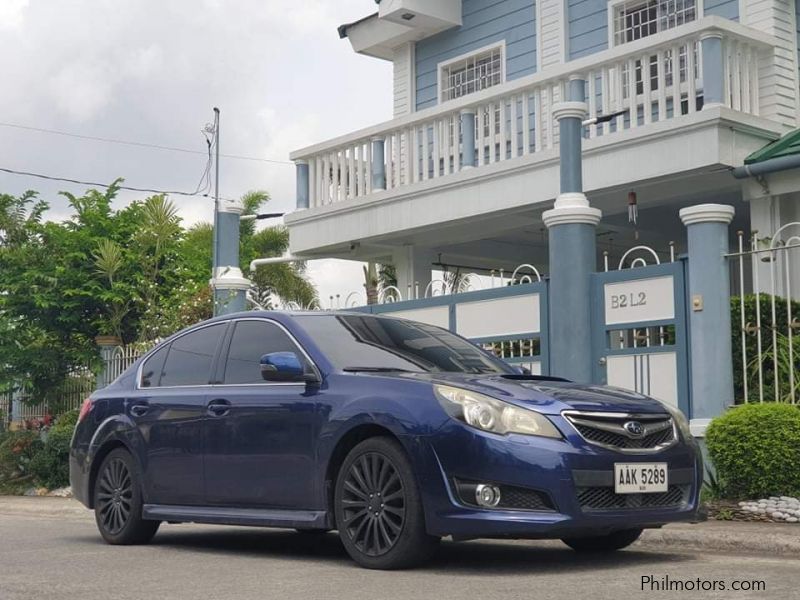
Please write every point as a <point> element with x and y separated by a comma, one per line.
<point>58,554</point>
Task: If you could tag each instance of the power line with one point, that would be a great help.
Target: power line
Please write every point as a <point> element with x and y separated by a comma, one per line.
<point>103,185</point>
<point>139,144</point>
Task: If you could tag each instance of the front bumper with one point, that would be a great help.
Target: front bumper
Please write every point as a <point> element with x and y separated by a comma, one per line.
<point>563,470</point>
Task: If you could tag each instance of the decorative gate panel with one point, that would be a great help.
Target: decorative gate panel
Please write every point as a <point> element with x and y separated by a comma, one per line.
<point>640,333</point>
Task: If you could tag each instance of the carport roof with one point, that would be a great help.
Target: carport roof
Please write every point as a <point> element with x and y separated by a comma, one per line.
<point>787,145</point>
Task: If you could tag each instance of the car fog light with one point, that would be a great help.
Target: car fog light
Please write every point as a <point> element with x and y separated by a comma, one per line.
<point>487,495</point>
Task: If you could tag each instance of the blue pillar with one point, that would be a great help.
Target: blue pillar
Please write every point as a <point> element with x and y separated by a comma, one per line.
<point>302,184</point>
<point>378,164</point>
<point>713,70</point>
<point>572,227</point>
<point>710,312</point>
<point>467,138</point>
<point>229,285</point>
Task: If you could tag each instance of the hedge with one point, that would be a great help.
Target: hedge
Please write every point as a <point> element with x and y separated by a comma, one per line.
<point>756,450</point>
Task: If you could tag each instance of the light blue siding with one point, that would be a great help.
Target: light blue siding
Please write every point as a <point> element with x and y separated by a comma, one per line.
<point>588,23</point>
<point>722,8</point>
<point>484,23</point>
<point>588,27</point>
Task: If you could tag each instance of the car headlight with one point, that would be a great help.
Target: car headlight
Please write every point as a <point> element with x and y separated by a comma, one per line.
<point>490,414</point>
<point>681,421</point>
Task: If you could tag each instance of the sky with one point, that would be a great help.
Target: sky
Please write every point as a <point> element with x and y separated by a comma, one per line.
<point>151,71</point>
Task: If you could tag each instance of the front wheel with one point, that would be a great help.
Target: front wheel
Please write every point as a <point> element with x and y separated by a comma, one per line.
<point>118,501</point>
<point>604,543</point>
<point>378,508</point>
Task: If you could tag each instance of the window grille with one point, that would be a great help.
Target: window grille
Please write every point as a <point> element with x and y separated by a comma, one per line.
<point>638,19</point>
<point>472,74</point>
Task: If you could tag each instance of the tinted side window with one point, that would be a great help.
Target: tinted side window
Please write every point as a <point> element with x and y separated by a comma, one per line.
<point>152,368</point>
<point>251,340</point>
<point>189,358</point>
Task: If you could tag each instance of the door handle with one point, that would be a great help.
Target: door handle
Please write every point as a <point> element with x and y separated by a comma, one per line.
<point>219,407</point>
<point>140,410</point>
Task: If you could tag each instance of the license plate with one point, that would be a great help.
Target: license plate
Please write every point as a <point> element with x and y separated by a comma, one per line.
<point>640,478</point>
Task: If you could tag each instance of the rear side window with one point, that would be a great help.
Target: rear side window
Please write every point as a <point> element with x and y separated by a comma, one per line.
<point>189,358</point>
<point>250,341</point>
<point>152,368</point>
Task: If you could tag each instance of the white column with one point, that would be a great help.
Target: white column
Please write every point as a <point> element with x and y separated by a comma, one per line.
<point>413,266</point>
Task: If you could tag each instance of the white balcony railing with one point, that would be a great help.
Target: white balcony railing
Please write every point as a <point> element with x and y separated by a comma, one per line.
<point>655,79</point>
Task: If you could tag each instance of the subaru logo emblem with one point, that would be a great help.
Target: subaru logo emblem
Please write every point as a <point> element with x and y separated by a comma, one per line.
<point>634,428</point>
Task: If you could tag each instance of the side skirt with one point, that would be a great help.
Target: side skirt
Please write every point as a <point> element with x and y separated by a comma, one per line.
<point>289,519</point>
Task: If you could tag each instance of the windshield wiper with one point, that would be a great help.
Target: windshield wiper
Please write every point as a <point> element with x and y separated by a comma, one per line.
<point>376,370</point>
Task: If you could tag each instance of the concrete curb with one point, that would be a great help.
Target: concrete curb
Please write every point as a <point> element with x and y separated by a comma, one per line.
<point>773,539</point>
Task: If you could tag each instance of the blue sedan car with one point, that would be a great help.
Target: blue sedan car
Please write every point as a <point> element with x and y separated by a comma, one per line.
<point>394,433</point>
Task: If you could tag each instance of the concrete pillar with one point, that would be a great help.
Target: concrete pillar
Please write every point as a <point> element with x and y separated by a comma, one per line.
<point>229,284</point>
<point>713,70</point>
<point>468,138</point>
<point>378,164</point>
<point>107,344</point>
<point>413,271</point>
<point>572,227</point>
<point>710,314</point>
<point>301,167</point>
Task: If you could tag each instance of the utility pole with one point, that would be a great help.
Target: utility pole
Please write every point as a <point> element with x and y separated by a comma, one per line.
<point>227,281</point>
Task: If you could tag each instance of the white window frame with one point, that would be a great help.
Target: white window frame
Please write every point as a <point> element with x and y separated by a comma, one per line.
<point>613,7</point>
<point>440,67</point>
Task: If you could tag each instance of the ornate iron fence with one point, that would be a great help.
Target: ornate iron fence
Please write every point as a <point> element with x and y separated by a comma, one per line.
<point>766,278</point>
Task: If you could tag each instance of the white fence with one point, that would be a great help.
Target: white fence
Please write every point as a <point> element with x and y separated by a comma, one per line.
<point>766,276</point>
<point>654,79</point>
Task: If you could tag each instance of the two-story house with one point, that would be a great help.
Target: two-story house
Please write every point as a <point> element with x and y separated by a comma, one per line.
<point>461,175</point>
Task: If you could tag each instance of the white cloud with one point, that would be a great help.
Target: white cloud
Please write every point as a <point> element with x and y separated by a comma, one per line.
<point>151,70</point>
<point>12,13</point>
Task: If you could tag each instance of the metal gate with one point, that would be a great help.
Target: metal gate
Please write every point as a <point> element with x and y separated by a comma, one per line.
<point>640,331</point>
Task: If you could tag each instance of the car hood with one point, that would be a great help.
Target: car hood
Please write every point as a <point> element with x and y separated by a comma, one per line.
<point>547,396</point>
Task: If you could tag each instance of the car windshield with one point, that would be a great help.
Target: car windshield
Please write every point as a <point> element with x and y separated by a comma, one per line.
<point>379,344</point>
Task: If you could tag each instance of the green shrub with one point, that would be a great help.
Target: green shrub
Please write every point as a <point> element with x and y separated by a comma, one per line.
<point>17,450</point>
<point>67,421</point>
<point>50,465</point>
<point>756,450</point>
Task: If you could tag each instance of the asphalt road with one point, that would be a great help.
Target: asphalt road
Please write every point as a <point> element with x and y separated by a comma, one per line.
<point>61,556</point>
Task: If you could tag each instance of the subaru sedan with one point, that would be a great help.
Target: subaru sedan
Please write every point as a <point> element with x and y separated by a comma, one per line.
<point>393,433</point>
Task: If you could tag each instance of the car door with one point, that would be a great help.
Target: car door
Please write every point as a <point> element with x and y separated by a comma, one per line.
<point>260,447</point>
<point>169,408</point>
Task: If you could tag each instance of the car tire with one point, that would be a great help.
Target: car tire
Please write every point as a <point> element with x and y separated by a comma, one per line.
<point>604,543</point>
<point>118,501</point>
<point>378,508</point>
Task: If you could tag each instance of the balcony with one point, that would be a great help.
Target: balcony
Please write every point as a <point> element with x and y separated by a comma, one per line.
<point>658,84</point>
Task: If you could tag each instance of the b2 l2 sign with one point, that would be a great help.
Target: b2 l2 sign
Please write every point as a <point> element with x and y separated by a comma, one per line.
<point>639,300</point>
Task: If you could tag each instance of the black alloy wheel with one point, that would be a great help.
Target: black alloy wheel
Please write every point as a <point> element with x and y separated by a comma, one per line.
<point>374,504</point>
<point>378,508</point>
<point>118,501</point>
<point>115,495</point>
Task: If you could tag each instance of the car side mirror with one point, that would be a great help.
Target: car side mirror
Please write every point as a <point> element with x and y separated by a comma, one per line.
<point>285,367</point>
<point>521,370</point>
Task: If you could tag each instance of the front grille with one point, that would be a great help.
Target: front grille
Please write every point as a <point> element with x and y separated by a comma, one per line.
<point>511,497</point>
<point>608,430</point>
<point>604,498</point>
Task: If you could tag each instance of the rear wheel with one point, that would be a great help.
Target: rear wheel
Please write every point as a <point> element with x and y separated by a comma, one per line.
<point>378,508</point>
<point>604,543</point>
<point>118,501</point>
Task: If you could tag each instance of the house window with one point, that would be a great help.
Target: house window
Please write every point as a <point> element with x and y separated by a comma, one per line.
<point>636,19</point>
<point>472,73</point>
